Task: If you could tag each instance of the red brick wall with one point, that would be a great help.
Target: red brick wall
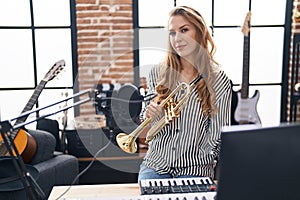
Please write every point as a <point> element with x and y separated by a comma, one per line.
<point>105,44</point>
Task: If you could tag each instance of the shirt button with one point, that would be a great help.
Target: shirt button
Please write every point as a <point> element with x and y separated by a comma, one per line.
<point>177,130</point>
<point>173,148</point>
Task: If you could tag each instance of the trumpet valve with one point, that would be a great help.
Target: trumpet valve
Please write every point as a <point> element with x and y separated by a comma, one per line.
<point>173,112</point>
<point>166,110</point>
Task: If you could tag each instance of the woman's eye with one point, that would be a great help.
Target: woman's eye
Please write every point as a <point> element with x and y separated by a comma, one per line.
<point>173,33</point>
<point>184,30</point>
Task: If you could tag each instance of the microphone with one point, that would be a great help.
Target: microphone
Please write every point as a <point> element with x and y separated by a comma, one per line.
<point>133,96</point>
<point>122,106</point>
<point>297,87</point>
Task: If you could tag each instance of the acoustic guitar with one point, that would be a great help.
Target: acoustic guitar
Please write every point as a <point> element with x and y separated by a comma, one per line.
<point>24,142</point>
<point>246,112</point>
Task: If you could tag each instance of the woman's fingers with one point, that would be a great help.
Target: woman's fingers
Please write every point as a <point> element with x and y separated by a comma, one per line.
<point>153,110</point>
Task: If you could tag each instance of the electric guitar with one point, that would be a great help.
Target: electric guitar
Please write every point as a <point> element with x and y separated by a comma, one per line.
<point>24,142</point>
<point>246,112</point>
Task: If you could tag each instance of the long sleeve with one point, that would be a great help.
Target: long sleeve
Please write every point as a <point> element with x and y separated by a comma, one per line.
<point>151,84</point>
<point>223,101</point>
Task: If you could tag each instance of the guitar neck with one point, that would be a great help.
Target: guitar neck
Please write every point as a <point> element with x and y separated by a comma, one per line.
<point>31,102</point>
<point>245,77</point>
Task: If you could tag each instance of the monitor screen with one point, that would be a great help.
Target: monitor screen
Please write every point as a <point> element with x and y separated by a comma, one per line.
<point>259,163</point>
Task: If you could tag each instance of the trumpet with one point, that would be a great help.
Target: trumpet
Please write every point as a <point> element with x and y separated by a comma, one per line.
<point>171,109</point>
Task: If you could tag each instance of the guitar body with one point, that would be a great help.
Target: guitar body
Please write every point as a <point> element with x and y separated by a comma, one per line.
<point>25,144</point>
<point>246,112</point>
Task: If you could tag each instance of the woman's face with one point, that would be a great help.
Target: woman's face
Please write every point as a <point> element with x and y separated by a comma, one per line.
<point>182,36</point>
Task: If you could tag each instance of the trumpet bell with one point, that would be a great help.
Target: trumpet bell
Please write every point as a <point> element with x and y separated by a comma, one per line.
<point>126,143</point>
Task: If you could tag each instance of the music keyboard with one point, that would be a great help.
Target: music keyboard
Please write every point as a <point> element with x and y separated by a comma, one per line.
<point>177,185</point>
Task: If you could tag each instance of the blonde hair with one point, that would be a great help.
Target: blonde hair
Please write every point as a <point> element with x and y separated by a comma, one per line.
<point>204,62</point>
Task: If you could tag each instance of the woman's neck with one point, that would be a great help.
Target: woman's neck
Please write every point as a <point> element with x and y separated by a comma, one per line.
<point>188,72</point>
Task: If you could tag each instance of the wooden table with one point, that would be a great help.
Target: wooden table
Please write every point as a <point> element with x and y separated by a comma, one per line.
<point>96,191</point>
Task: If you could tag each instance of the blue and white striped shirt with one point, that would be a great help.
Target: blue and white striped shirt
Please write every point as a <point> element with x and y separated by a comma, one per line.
<point>191,142</point>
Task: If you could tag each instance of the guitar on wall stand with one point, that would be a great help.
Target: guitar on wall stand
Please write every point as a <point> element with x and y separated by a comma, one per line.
<point>246,112</point>
<point>24,142</point>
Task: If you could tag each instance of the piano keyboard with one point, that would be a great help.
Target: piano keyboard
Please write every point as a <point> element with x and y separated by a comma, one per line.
<point>177,185</point>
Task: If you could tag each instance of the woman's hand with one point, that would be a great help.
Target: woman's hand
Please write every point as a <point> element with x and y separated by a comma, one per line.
<point>153,110</point>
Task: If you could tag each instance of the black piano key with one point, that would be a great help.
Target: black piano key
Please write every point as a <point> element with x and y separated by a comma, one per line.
<point>207,181</point>
<point>161,183</point>
<point>194,182</point>
<point>188,181</point>
<point>174,182</point>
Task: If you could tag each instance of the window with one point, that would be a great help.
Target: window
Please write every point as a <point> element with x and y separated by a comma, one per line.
<point>34,35</point>
<point>225,19</point>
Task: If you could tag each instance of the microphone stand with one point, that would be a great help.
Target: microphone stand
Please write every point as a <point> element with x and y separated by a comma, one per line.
<point>33,191</point>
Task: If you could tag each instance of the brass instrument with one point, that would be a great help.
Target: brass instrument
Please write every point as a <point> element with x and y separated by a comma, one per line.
<point>172,110</point>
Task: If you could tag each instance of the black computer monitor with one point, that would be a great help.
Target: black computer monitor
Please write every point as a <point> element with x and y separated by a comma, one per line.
<point>259,163</point>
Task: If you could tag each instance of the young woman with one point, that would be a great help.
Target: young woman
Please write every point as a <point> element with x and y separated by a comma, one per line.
<point>189,145</point>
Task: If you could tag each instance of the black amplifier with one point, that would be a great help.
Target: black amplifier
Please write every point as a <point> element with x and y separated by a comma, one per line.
<point>88,143</point>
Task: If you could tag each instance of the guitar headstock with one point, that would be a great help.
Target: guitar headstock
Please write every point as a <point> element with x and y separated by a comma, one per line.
<point>246,25</point>
<point>55,69</point>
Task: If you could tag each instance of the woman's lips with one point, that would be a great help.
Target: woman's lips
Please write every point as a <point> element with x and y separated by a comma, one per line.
<point>180,47</point>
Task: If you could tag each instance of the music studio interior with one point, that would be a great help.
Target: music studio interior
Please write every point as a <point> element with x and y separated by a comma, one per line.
<point>74,76</point>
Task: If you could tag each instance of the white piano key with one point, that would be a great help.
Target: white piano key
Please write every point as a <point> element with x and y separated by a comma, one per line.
<point>144,183</point>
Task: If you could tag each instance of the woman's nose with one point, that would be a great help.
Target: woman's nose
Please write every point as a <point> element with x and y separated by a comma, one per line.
<point>178,37</point>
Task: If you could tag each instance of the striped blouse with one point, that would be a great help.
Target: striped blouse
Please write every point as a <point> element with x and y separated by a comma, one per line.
<point>191,142</point>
